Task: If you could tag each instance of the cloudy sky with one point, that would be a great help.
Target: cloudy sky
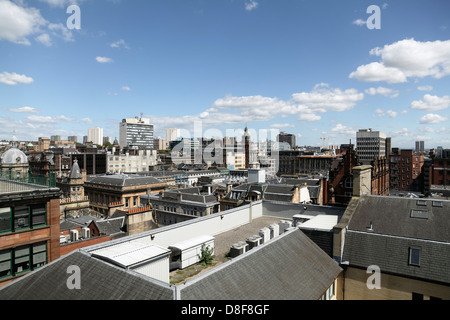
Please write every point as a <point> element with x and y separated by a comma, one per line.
<point>312,68</point>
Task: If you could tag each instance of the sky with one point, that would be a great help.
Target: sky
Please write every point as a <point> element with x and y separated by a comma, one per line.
<point>317,69</point>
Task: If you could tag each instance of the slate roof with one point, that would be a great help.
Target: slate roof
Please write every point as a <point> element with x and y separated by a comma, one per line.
<point>110,226</point>
<point>394,231</point>
<point>123,180</point>
<point>50,283</point>
<point>289,267</point>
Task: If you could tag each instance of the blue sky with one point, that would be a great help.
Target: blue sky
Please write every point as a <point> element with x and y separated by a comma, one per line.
<point>311,68</point>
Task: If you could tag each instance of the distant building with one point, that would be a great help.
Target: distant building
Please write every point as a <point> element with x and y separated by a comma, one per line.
<point>95,135</point>
<point>136,132</point>
<point>370,144</point>
<point>72,138</point>
<point>420,147</point>
<point>108,193</point>
<point>173,206</point>
<point>288,138</point>
<point>172,134</point>
<point>405,170</point>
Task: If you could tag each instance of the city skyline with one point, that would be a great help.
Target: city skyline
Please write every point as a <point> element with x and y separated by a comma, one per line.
<point>311,68</point>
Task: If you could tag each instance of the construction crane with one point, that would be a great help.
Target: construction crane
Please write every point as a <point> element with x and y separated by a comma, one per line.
<point>324,139</point>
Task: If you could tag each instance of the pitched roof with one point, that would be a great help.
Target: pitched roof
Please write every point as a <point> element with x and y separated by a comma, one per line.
<point>289,267</point>
<point>50,283</point>
<point>123,180</point>
<point>384,237</point>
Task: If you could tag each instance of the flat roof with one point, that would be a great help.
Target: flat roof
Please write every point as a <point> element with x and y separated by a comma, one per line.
<point>320,222</point>
<point>130,253</point>
<point>183,245</point>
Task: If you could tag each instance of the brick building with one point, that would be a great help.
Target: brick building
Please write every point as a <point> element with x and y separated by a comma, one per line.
<point>29,228</point>
<point>405,170</point>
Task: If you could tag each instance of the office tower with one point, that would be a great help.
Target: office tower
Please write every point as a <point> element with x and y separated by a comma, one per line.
<point>370,144</point>
<point>420,146</point>
<point>172,134</point>
<point>95,135</point>
<point>72,138</point>
<point>287,138</point>
<point>136,132</point>
<point>55,138</point>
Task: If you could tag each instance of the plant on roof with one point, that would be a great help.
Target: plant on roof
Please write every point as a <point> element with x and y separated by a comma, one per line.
<point>207,255</point>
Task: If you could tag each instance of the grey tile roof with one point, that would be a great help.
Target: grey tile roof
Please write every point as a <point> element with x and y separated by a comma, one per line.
<point>123,180</point>
<point>110,226</point>
<point>289,267</point>
<point>394,232</point>
<point>99,281</point>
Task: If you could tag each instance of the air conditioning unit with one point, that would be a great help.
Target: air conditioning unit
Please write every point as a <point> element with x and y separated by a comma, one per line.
<point>253,241</point>
<point>284,225</point>
<point>264,233</point>
<point>86,233</point>
<point>274,230</point>
<point>73,235</point>
<point>238,248</point>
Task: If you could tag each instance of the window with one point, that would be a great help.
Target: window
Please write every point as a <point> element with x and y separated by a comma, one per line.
<point>5,220</point>
<point>414,256</point>
<point>437,204</point>
<point>39,215</point>
<point>21,260</point>
<point>39,257</point>
<point>21,218</point>
<point>5,264</point>
<point>421,214</point>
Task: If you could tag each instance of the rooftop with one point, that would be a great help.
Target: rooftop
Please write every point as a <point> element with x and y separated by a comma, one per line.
<point>289,266</point>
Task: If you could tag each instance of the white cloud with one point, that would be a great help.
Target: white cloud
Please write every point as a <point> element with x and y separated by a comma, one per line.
<point>13,78</point>
<point>59,3</point>
<point>282,125</point>
<point>431,103</point>
<point>344,130</point>
<point>391,114</point>
<point>309,117</point>
<point>17,23</point>
<point>405,59</point>
<point>44,39</point>
<point>251,5</point>
<point>404,132</point>
<point>322,99</point>
<point>380,113</point>
<point>103,60</point>
<point>383,91</point>
<point>376,72</point>
<point>25,110</point>
<point>432,118</point>
<point>425,88</point>
<point>120,43</point>
<point>360,22</point>
<point>125,88</point>
<point>59,30</point>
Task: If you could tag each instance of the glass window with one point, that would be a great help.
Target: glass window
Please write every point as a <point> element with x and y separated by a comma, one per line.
<point>39,254</point>
<point>5,263</point>
<point>39,215</point>
<point>414,256</point>
<point>21,218</point>
<point>5,219</point>
<point>21,260</point>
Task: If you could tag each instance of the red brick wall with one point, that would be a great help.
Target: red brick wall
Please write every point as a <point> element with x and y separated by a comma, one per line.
<point>82,244</point>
